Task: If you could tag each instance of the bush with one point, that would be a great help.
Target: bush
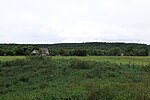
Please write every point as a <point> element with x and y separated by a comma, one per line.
<point>79,64</point>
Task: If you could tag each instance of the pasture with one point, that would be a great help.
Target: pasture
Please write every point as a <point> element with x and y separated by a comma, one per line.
<point>139,60</point>
<point>74,78</point>
<point>9,58</point>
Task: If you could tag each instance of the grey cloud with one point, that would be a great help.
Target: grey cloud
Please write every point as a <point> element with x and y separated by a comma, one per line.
<point>74,21</point>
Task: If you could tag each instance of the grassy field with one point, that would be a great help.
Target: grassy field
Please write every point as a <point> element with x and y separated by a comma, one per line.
<point>9,58</point>
<point>113,59</point>
<point>74,78</point>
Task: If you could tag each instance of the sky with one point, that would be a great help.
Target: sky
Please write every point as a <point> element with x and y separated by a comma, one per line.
<point>74,21</point>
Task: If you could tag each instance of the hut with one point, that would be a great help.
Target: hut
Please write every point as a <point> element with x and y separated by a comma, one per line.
<point>122,54</point>
<point>44,51</point>
<point>35,52</point>
<point>41,51</point>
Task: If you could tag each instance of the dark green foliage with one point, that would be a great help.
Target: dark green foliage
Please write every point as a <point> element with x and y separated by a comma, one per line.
<point>115,52</point>
<point>79,49</point>
<point>9,53</point>
<point>19,51</point>
<point>2,52</point>
<point>45,78</point>
<point>80,64</point>
<point>80,52</point>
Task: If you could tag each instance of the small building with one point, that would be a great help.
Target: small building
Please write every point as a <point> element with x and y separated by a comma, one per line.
<point>35,52</point>
<point>44,51</point>
<point>122,54</point>
<point>41,51</point>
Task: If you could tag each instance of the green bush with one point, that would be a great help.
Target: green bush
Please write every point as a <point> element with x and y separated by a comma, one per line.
<point>80,64</point>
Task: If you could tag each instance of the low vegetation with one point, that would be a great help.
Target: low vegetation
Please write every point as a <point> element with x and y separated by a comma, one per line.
<point>138,60</point>
<point>46,78</point>
<point>9,58</point>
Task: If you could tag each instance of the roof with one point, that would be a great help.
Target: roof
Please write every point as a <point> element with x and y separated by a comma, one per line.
<point>41,51</point>
<point>35,51</point>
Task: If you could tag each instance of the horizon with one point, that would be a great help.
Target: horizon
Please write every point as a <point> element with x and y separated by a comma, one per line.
<point>74,43</point>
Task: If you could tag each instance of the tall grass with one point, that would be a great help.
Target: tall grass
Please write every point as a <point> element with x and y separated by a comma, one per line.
<point>139,60</point>
<point>45,78</point>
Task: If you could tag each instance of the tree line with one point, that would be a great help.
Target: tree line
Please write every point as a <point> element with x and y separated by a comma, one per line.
<point>78,49</point>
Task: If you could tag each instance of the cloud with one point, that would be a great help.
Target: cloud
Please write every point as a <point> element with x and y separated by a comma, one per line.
<point>38,21</point>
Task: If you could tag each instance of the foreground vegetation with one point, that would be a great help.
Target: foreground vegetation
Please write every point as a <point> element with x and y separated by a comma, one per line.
<point>47,78</point>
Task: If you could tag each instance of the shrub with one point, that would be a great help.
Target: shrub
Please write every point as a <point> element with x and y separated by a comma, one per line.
<point>80,64</point>
<point>104,93</point>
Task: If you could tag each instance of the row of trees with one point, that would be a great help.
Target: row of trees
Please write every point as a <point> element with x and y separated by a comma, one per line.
<point>78,49</point>
<point>96,52</point>
<point>17,51</point>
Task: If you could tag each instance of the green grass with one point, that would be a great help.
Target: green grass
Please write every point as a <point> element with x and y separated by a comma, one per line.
<point>9,58</point>
<point>139,60</point>
<point>46,78</point>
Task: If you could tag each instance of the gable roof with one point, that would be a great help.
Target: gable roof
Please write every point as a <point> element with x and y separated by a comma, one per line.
<point>35,52</point>
<point>42,51</point>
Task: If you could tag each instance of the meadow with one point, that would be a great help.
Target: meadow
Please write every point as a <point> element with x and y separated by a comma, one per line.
<point>139,60</point>
<point>9,58</point>
<point>74,78</point>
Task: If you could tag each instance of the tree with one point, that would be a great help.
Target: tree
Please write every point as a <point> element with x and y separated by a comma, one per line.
<point>2,52</point>
<point>115,52</point>
<point>19,51</point>
<point>80,52</point>
<point>129,51</point>
<point>62,52</point>
<point>143,52</point>
<point>9,53</point>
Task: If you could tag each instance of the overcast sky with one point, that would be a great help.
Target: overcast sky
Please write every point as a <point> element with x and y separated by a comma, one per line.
<point>64,21</point>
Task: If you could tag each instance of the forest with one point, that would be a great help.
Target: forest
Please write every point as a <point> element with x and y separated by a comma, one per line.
<point>78,49</point>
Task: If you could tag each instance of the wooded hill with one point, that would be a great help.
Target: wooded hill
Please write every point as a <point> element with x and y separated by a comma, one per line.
<point>79,49</point>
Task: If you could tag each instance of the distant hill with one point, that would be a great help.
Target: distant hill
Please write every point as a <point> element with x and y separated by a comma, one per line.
<point>134,49</point>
